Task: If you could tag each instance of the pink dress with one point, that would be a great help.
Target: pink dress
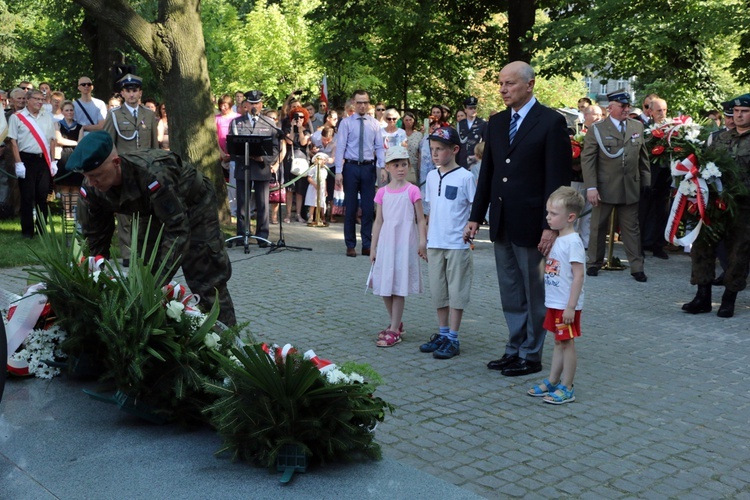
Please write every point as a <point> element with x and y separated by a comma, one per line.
<point>396,270</point>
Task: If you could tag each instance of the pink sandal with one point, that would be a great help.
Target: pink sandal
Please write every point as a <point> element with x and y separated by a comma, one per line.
<point>390,338</point>
<point>401,331</point>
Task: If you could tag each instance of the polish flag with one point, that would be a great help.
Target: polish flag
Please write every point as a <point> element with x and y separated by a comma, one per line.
<point>324,89</point>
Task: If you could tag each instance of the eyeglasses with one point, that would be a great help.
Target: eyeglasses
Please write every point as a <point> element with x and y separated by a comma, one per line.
<point>646,106</point>
<point>392,119</point>
<point>379,109</point>
<point>86,84</point>
<point>26,88</point>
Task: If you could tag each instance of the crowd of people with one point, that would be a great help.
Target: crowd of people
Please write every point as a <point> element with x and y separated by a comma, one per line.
<point>424,188</point>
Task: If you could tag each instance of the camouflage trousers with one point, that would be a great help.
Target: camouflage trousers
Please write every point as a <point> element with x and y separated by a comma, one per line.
<point>206,264</point>
<point>737,241</point>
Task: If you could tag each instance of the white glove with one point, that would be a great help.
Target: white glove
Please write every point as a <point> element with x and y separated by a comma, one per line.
<point>53,168</point>
<point>20,170</point>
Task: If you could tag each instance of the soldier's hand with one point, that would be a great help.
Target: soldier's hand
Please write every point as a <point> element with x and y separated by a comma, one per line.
<point>20,170</point>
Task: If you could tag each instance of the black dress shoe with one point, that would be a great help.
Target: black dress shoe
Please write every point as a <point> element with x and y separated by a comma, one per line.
<point>499,364</point>
<point>719,281</point>
<point>592,271</point>
<point>659,252</point>
<point>640,277</point>
<point>522,367</point>
<point>262,244</point>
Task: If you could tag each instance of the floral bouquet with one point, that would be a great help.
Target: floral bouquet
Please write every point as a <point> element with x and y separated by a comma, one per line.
<point>705,179</point>
<point>272,397</point>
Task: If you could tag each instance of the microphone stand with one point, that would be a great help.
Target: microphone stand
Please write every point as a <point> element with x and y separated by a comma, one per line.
<point>280,244</point>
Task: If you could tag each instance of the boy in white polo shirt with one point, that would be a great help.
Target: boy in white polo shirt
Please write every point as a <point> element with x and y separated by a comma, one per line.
<point>450,191</point>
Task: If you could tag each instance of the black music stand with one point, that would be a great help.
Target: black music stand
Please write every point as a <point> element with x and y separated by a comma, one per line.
<point>246,146</point>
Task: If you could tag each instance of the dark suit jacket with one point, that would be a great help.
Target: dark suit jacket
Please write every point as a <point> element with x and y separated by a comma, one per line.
<point>257,170</point>
<point>516,180</point>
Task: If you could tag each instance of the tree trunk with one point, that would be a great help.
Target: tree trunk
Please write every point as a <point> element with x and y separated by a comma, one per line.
<point>521,18</point>
<point>174,47</point>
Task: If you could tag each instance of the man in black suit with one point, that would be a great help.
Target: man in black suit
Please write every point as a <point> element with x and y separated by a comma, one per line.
<point>527,156</point>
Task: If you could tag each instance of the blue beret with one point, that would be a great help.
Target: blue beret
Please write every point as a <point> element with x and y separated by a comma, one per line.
<point>91,152</point>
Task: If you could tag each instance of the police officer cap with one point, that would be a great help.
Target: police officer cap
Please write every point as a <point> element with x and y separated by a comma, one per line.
<point>728,107</point>
<point>129,81</point>
<point>446,135</point>
<point>471,101</point>
<point>254,96</point>
<point>743,100</point>
<point>619,96</point>
<point>91,152</point>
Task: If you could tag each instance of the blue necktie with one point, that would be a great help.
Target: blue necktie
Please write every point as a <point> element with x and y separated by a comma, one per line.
<point>513,124</point>
<point>361,156</point>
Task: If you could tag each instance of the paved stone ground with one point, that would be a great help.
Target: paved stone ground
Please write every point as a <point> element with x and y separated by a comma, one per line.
<point>662,399</point>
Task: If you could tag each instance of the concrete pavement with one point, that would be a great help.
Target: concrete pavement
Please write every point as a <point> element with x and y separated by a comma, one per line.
<point>661,410</point>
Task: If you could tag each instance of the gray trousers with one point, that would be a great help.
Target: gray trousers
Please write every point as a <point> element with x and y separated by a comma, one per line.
<point>520,274</point>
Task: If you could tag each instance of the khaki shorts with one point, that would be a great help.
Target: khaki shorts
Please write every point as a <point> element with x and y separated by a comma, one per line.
<point>451,272</point>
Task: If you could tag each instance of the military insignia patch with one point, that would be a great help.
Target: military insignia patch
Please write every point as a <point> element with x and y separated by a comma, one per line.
<point>154,186</point>
<point>84,193</point>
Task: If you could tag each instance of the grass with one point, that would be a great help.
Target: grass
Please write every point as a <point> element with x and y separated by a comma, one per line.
<point>16,251</point>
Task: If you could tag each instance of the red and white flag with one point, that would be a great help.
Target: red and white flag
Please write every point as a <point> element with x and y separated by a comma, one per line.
<point>324,89</point>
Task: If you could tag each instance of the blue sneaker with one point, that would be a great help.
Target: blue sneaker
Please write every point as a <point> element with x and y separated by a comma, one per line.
<point>449,349</point>
<point>435,343</point>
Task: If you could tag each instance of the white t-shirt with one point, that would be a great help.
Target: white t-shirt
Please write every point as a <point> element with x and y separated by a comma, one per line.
<point>450,197</point>
<point>96,108</point>
<point>558,273</point>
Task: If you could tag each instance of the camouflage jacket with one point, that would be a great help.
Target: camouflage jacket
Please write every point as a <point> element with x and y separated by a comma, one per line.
<point>738,146</point>
<point>156,184</point>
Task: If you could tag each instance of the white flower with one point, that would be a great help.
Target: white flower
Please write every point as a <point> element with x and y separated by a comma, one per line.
<point>212,340</point>
<point>335,376</point>
<point>356,377</point>
<point>174,310</point>
<point>710,171</point>
<point>687,188</point>
<point>235,360</point>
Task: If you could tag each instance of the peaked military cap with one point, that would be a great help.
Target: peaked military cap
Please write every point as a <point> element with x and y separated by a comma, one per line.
<point>254,96</point>
<point>471,101</point>
<point>129,80</point>
<point>91,152</point>
<point>619,96</point>
<point>728,107</point>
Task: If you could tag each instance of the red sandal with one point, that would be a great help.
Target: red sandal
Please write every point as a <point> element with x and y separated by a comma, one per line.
<point>390,338</point>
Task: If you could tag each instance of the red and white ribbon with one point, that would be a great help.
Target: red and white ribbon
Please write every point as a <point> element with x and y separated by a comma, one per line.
<point>689,169</point>
<point>179,292</point>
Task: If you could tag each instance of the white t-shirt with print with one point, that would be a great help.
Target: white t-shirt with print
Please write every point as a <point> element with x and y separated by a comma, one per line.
<point>450,197</point>
<point>558,273</point>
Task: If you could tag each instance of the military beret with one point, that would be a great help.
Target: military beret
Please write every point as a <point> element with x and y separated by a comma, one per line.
<point>471,101</point>
<point>129,80</point>
<point>254,96</point>
<point>91,152</point>
<point>446,135</point>
<point>743,100</point>
<point>619,96</point>
<point>728,108</point>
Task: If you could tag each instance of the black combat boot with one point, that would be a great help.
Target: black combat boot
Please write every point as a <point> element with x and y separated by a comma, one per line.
<point>726,309</point>
<point>702,301</point>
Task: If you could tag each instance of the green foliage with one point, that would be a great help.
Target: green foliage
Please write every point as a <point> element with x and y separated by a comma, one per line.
<point>264,404</point>
<point>679,45</point>
<point>268,50</point>
<point>120,320</point>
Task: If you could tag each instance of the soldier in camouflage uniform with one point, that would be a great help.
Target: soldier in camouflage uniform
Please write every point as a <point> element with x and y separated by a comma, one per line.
<point>155,183</point>
<point>737,234</point>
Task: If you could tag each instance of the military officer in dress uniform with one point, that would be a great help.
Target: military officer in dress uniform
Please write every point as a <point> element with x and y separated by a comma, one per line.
<point>615,170</point>
<point>155,183</point>
<point>736,235</point>
<point>132,127</point>
<point>259,170</point>
<point>470,131</point>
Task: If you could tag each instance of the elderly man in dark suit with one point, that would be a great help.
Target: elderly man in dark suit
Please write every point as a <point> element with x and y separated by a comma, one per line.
<point>616,170</point>
<point>527,156</point>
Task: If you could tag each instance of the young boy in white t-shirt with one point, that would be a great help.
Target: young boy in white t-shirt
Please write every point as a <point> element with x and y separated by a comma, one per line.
<point>449,189</point>
<point>563,295</point>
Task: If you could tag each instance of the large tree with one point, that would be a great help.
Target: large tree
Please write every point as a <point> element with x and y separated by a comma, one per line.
<point>173,45</point>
